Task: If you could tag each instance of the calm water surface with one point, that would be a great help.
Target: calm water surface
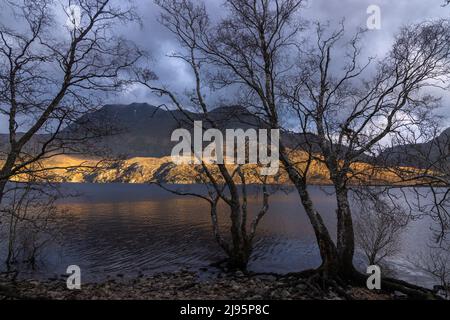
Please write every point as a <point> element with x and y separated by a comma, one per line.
<point>127,230</point>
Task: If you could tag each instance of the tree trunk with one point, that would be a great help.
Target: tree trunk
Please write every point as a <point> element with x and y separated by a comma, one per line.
<point>327,248</point>
<point>11,240</point>
<point>5,173</point>
<point>4,179</point>
<point>240,249</point>
<point>3,183</point>
<point>239,257</point>
<point>345,232</point>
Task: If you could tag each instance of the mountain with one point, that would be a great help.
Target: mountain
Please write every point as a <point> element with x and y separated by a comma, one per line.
<point>421,154</point>
<point>139,136</point>
<point>141,170</point>
<point>136,130</point>
<point>142,130</point>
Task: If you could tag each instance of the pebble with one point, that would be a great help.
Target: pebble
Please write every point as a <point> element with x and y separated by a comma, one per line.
<point>167,287</point>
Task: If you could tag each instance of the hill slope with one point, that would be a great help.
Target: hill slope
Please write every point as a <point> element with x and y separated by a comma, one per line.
<point>420,155</point>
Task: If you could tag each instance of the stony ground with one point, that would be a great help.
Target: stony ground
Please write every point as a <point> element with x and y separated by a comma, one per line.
<point>185,285</point>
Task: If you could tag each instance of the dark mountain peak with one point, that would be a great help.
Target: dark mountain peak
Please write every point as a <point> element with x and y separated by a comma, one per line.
<point>445,134</point>
<point>233,109</point>
<point>419,154</point>
<point>143,130</point>
<point>124,108</point>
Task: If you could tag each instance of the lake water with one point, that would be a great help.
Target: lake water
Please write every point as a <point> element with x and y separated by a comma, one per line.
<point>127,230</point>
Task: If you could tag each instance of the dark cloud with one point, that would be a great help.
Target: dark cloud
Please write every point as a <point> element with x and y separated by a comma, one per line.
<point>394,14</point>
<point>159,42</point>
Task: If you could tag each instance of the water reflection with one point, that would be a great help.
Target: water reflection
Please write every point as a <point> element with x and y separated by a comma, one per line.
<point>139,229</point>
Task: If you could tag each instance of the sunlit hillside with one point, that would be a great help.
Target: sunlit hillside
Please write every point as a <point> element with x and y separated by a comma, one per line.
<point>71,169</point>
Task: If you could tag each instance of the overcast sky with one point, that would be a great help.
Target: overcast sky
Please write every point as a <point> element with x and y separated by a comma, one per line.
<point>394,14</point>
<point>153,37</point>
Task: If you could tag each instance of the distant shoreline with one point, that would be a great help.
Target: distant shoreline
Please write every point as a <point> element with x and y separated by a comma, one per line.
<point>250,184</point>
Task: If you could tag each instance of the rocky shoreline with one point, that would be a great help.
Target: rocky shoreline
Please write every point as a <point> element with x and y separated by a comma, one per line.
<point>186,285</point>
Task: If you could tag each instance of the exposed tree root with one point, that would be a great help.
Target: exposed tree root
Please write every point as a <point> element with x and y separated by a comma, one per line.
<point>319,279</point>
<point>391,285</point>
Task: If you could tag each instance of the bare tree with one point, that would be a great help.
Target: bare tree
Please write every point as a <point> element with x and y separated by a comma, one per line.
<point>379,225</point>
<point>350,114</point>
<point>48,79</point>
<point>421,160</point>
<point>252,46</point>
<point>224,183</point>
<point>29,220</point>
<point>51,75</point>
<point>436,263</point>
<point>351,121</point>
